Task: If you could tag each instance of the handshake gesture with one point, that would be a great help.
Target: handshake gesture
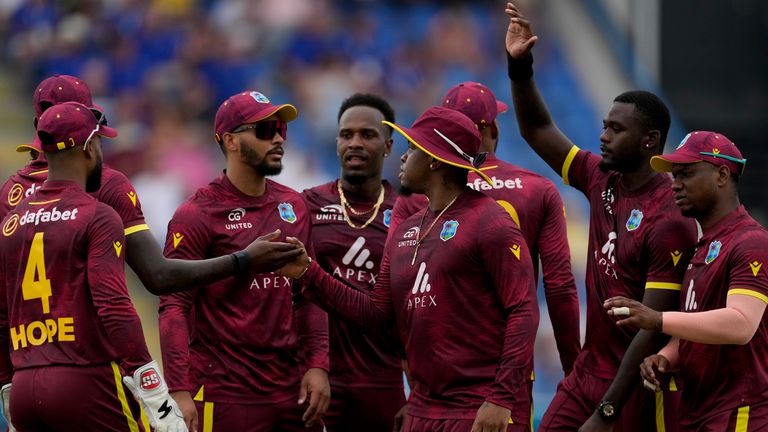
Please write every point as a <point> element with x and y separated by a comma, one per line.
<point>149,388</point>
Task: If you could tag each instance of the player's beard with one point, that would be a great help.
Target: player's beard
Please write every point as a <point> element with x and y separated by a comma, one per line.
<point>93,181</point>
<point>355,179</point>
<point>262,166</point>
<point>405,191</point>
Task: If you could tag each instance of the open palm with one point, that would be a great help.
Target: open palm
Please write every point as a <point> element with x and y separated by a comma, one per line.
<point>520,38</point>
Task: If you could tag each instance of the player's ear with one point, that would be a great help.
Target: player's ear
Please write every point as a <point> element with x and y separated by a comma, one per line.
<point>230,143</point>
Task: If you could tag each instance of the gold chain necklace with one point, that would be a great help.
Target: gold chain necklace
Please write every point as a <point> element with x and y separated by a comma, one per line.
<point>345,204</point>
<point>420,240</point>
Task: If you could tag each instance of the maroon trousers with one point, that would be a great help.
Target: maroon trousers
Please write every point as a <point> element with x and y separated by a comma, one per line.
<point>69,398</point>
<point>363,409</point>
<point>227,417</point>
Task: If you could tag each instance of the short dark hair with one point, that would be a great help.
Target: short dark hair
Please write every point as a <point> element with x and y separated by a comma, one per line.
<point>370,100</point>
<point>654,114</point>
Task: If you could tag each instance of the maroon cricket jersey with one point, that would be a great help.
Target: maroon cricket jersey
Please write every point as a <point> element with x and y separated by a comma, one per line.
<point>535,205</point>
<point>729,259</point>
<point>637,240</point>
<point>463,309</point>
<point>353,256</point>
<point>64,299</point>
<point>116,191</point>
<point>239,338</point>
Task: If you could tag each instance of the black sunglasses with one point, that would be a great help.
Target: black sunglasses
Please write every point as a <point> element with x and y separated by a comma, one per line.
<point>266,130</point>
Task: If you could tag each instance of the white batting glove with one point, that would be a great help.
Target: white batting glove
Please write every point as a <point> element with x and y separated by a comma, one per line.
<point>149,388</point>
<point>5,401</point>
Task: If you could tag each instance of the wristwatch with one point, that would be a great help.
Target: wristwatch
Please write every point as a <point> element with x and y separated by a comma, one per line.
<point>607,410</point>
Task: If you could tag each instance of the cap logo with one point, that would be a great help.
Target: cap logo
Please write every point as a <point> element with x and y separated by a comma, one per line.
<point>682,143</point>
<point>258,97</point>
<point>716,151</point>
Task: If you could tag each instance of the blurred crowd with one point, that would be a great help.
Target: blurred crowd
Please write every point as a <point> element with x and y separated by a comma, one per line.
<point>160,68</point>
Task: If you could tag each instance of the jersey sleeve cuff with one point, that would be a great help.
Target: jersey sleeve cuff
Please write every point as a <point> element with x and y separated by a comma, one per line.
<point>672,286</point>
<point>748,292</point>
<point>567,164</point>
<point>135,229</point>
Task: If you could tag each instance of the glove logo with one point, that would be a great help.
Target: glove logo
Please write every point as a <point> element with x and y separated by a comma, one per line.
<point>164,410</point>
<point>150,380</point>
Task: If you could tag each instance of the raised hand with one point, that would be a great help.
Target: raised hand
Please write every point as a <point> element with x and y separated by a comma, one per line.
<point>520,38</point>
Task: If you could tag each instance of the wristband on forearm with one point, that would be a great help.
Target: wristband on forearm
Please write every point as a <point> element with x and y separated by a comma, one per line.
<point>520,69</point>
<point>240,261</point>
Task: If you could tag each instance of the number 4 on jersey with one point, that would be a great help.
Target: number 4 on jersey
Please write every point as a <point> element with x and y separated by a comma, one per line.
<point>32,288</point>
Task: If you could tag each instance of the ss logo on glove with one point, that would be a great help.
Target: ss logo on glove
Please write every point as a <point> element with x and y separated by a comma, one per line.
<point>150,379</point>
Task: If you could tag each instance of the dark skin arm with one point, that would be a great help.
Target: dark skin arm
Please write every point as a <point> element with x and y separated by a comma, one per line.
<point>643,345</point>
<point>536,124</point>
<point>161,275</point>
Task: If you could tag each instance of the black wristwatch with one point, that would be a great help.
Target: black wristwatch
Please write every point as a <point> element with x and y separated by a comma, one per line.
<point>607,410</point>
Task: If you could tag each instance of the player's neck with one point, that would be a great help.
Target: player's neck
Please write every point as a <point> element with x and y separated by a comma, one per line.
<point>442,194</point>
<point>636,179</point>
<point>247,180</point>
<point>722,208</point>
<point>367,189</point>
<point>488,145</point>
<point>67,172</point>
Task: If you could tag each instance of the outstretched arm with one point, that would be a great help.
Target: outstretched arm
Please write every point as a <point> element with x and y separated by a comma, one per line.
<point>536,125</point>
<point>161,275</point>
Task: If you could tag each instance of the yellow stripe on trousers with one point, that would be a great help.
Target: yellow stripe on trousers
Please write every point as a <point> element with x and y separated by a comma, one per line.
<point>132,425</point>
<point>660,425</point>
<point>742,419</point>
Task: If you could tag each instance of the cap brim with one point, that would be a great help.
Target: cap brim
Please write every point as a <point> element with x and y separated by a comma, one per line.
<point>501,107</point>
<point>285,112</point>
<point>35,145</point>
<point>107,131</point>
<point>664,163</point>
<point>413,136</point>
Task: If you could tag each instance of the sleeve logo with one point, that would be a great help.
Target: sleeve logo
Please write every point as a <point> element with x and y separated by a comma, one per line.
<point>515,249</point>
<point>676,257</point>
<point>449,230</point>
<point>634,220</point>
<point>118,247</point>
<point>150,379</point>
<point>177,238</point>
<point>713,252</point>
<point>132,196</point>
<point>286,212</point>
<point>755,266</point>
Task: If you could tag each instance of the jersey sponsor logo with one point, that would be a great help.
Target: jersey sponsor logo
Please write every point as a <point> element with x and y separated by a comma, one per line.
<point>409,237</point>
<point>10,225</point>
<point>37,333</point>
<point>43,216</point>
<point>286,212</point>
<point>480,184</point>
<point>607,258</point>
<point>150,379</point>
<point>713,252</point>
<point>258,97</point>
<point>515,249</point>
<point>449,230</point>
<point>236,214</point>
<point>177,238</point>
<point>357,256</point>
<point>270,280</point>
<point>420,297</point>
<point>608,198</point>
<point>755,266</point>
<point>387,217</point>
<point>331,212</point>
<point>132,196</point>
<point>635,217</point>
<point>16,194</point>
<point>682,143</point>
<point>118,247</point>
<point>676,257</point>
<point>690,298</point>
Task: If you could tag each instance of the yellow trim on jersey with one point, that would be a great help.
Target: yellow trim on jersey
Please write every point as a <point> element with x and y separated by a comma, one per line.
<point>199,396</point>
<point>663,285</point>
<point>660,412</point>
<point>44,202</point>
<point>488,168</point>
<point>132,425</point>
<point>135,229</point>
<point>567,164</point>
<point>208,417</point>
<point>748,292</point>
<point>511,210</point>
<point>39,172</point>
<point>742,419</point>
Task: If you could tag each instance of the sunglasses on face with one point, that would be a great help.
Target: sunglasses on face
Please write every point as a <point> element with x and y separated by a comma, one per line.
<point>266,130</point>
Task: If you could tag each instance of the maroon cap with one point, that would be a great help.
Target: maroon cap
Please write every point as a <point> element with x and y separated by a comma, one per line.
<point>476,101</point>
<point>448,136</point>
<point>67,125</point>
<point>702,146</point>
<point>248,107</point>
